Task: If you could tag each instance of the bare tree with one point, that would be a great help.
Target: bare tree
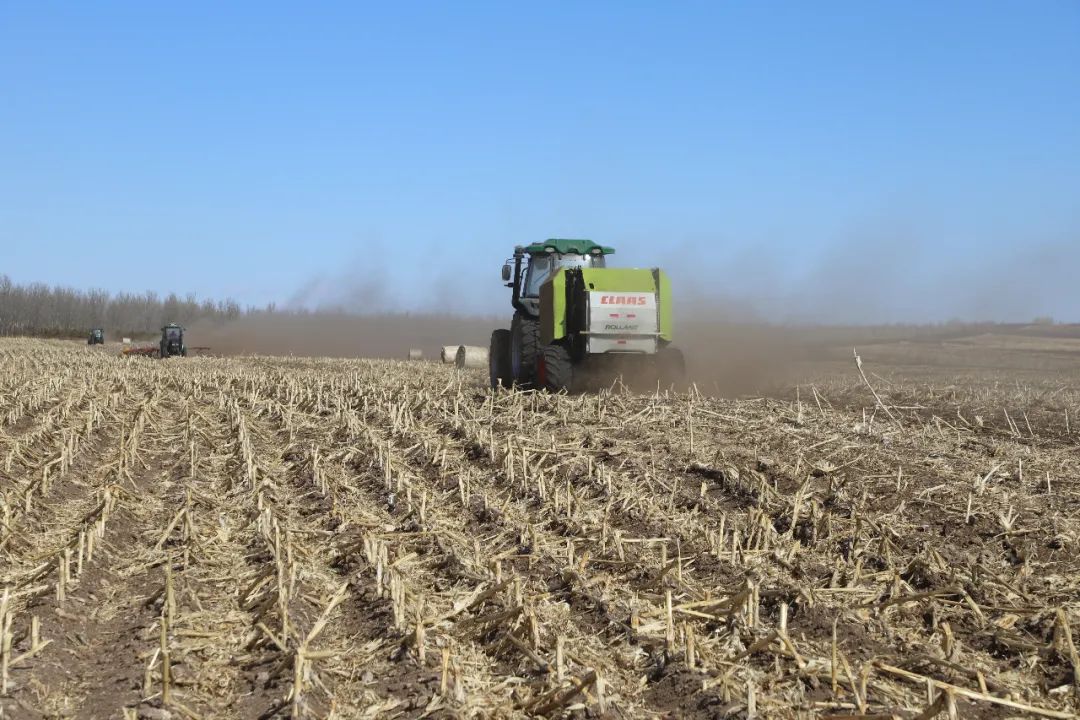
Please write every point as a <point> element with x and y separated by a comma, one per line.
<point>37,309</point>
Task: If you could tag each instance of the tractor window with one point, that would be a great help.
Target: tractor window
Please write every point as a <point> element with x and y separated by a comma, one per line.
<point>542,266</point>
<point>173,333</point>
<point>539,270</point>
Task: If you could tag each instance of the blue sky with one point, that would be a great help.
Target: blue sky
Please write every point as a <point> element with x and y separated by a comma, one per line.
<point>851,161</point>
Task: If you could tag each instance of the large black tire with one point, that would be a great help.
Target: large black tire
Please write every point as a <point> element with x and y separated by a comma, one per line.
<point>524,348</point>
<point>499,363</point>
<point>554,369</point>
<point>671,367</point>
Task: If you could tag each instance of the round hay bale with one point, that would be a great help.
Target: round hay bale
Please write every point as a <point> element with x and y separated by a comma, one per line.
<point>448,354</point>
<point>415,354</point>
<point>471,356</point>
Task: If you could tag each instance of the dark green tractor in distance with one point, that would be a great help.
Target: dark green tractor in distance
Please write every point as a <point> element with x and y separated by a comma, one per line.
<point>172,341</point>
<point>579,324</point>
<point>97,337</point>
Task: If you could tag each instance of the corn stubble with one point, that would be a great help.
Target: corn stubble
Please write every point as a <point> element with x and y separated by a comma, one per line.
<point>265,537</point>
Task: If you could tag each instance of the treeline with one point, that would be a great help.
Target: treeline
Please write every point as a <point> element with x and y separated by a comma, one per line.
<point>43,310</point>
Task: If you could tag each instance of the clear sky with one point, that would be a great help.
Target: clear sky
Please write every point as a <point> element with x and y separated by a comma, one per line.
<point>854,161</point>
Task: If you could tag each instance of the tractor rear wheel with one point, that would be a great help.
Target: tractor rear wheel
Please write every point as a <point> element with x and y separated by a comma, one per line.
<point>525,348</point>
<point>499,363</point>
<point>555,369</point>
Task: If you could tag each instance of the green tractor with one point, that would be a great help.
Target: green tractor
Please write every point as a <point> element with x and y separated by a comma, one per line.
<point>96,337</point>
<point>579,324</point>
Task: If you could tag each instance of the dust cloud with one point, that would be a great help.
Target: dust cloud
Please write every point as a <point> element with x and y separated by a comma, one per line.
<point>723,358</point>
<point>361,310</point>
<point>728,358</point>
<point>888,275</point>
<point>745,326</point>
<point>341,335</point>
<point>751,321</point>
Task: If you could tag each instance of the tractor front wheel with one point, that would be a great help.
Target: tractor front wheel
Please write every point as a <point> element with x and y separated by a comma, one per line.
<point>500,367</point>
<point>554,369</point>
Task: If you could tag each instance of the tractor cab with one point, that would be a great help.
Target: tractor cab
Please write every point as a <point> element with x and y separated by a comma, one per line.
<point>172,341</point>
<point>532,265</point>
<point>97,337</point>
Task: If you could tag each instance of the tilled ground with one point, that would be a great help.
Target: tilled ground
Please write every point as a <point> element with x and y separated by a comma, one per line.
<point>245,538</point>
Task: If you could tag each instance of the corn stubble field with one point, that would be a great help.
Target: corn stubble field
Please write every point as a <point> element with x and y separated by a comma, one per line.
<point>261,537</point>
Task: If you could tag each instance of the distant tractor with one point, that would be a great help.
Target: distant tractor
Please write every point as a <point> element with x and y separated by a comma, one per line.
<point>578,324</point>
<point>172,341</point>
<point>97,337</point>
